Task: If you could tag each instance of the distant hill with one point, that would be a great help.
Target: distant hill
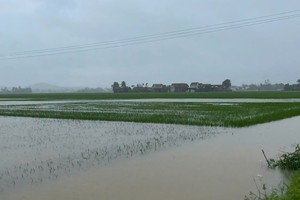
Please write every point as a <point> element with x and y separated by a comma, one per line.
<point>49,88</point>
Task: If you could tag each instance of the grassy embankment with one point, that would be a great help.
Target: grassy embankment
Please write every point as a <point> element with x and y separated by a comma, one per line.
<point>100,96</point>
<point>293,191</point>
<point>290,161</point>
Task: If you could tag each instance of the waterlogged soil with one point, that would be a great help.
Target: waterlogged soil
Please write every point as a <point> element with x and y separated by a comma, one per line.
<point>154,162</point>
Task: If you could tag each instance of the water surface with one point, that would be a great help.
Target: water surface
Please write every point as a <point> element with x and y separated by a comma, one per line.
<point>219,167</point>
<point>40,150</point>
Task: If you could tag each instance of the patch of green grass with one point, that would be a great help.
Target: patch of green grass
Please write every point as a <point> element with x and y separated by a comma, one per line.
<point>101,96</point>
<point>293,191</point>
<point>207,114</point>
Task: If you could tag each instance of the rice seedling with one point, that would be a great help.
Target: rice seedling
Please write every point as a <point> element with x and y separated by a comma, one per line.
<point>204,114</point>
<point>102,96</point>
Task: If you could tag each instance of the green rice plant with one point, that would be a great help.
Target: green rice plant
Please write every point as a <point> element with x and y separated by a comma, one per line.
<point>202,114</point>
<point>102,96</point>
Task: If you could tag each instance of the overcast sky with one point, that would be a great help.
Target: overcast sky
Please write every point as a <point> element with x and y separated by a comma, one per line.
<point>247,55</point>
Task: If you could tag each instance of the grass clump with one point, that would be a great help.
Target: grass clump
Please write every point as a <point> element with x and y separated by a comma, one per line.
<point>289,161</point>
<point>293,191</point>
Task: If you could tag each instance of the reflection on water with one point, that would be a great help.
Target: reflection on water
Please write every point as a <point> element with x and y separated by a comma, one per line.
<point>221,167</point>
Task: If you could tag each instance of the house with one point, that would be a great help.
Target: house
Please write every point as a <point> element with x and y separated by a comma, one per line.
<point>179,87</point>
<point>204,87</point>
<point>218,88</point>
<point>207,88</point>
<point>159,88</point>
<point>194,87</point>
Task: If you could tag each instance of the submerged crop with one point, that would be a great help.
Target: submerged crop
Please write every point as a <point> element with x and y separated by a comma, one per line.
<point>37,150</point>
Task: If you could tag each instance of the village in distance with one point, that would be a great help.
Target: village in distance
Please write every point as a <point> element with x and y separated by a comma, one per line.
<point>122,87</point>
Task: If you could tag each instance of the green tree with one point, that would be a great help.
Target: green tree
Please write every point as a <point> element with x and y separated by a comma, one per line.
<point>287,87</point>
<point>116,87</point>
<point>227,84</point>
<point>123,84</point>
<point>124,87</point>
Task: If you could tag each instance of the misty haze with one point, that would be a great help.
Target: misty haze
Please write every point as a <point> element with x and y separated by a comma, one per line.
<point>149,100</point>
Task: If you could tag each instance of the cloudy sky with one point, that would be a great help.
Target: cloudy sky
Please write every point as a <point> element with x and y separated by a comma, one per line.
<point>249,54</point>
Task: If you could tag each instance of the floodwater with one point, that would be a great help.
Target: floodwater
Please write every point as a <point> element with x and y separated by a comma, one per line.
<point>40,150</point>
<point>6,102</point>
<point>176,162</point>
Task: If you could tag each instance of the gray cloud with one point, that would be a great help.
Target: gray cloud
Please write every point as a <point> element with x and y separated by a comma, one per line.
<point>250,54</point>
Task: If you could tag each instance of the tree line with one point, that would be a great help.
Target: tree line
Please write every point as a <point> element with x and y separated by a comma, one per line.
<point>15,90</point>
<point>174,87</point>
<point>292,87</point>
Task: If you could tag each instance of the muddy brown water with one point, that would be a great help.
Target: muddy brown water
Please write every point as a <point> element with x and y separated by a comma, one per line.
<point>223,166</point>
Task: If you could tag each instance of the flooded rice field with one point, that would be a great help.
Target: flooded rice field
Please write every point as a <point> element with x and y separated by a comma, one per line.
<point>65,159</point>
<point>38,150</point>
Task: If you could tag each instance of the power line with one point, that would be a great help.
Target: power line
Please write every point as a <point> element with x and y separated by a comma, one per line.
<point>127,42</point>
<point>154,37</point>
